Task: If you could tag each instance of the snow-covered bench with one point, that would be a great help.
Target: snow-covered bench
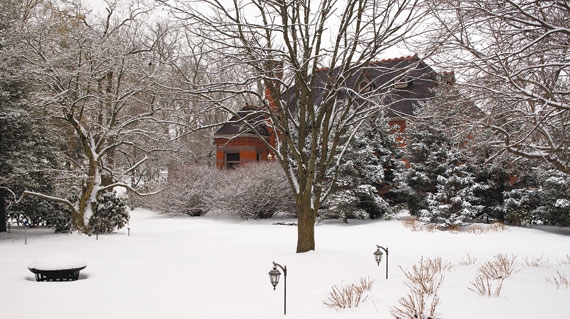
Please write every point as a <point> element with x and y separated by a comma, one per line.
<point>57,268</point>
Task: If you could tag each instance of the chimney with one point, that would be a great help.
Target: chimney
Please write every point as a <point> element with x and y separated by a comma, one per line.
<point>273,75</point>
<point>448,77</point>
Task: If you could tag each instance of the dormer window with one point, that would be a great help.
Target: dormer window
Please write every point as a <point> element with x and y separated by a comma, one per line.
<point>366,86</point>
<point>402,83</point>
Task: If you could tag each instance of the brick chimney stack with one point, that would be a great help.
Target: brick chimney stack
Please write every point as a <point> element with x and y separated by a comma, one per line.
<point>274,73</point>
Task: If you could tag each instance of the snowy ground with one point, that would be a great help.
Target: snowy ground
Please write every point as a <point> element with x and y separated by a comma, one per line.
<point>213,267</point>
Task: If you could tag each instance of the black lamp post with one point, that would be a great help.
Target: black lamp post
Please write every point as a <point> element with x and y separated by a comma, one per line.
<point>378,256</point>
<point>274,275</point>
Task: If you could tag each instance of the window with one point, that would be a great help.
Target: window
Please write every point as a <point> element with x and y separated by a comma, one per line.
<point>402,83</point>
<point>366,86</point>
<point>232,160</point>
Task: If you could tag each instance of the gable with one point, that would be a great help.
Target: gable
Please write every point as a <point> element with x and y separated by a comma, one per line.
<point>401,82</point>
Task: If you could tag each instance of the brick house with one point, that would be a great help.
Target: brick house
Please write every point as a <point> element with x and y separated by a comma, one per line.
<point>406,80</point>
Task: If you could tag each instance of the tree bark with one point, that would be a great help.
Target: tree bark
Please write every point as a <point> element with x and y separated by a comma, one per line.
<point>78,220</point>
<point>306,217</point>
<point>2,211</point>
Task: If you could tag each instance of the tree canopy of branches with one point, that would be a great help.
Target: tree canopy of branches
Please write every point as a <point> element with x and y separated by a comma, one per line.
<point>512,60</point>
<point>28,154</point>
<point>285,44</point>
<point>94,81</point>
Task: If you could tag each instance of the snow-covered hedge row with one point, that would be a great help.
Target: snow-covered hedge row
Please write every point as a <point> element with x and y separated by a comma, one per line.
<point>257,190</point>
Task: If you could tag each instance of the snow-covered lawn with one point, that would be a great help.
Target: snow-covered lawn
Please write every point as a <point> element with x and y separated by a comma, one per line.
<point>213,267</point>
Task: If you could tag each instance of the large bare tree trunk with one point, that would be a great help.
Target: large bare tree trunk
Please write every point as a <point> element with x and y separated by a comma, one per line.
<point>78,219</point>
<point>306,223</point>
<point>2,211</point>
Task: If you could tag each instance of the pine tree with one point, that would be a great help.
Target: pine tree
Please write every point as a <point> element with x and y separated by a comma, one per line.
<point>555,198</point>
<point>367,167</point>
<point>439,182</point>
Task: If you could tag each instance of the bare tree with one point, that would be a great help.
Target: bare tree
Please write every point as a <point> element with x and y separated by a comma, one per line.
<point>303,53</point>
<point>95,79</point>
<point>512,60</point>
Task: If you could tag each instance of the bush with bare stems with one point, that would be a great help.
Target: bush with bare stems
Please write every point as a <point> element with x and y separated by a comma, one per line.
<point>412,224</point>
<point>424,281</point>
<point>537,262</point>
<point>349,296</point>
<point>479,229</point>
<point>467,260</point>
<point>491,275</point>
<point>560,280</point>
<point>565,260</point>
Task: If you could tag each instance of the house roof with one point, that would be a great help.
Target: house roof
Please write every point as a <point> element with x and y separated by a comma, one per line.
<point>244,122</point>
<point>417,78</point>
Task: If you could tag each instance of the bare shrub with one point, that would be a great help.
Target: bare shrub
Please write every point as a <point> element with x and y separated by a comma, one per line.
<point>491,275</point>
<point>468,260</point>
<point>424,281</point>
<point>454,229</point>
<point>479,229</point>
<point>413,224</point>
<point>189,190</point>
<point>251,191</point>
<point>486,286</point>
<point>257,190</point>
<point>501,267</point>
<point>565,261</point>
<point>537,261</point>
<point>498,227</point>
<point>560,280</point>
<point>431,228</point>
<point>349,296</point>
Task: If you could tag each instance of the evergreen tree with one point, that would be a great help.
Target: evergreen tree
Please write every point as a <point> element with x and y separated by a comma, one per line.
<point>28,154</point>
<point>454,199</point>
<point>366,168</point>
<point>426,156</point>
<point>28,158</point>
<point>439,181</point>
<point>521,202</point>
<point>555,198</point>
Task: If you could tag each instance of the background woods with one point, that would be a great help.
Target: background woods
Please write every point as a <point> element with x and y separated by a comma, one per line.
<point>133,92</point>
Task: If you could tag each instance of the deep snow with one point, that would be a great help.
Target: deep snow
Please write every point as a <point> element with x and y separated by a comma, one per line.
<point>215,267</point>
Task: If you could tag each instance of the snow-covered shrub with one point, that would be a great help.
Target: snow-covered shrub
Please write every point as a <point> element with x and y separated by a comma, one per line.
<point>190,190</point>
<point>60,219</point>
<point>34,212</point>
<point>110,212</point>
<point>342,205</point>
<point>257,190</point>
<point>31,211</point>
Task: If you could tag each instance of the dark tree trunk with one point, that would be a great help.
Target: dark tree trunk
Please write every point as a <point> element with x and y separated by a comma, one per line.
<point>2,211</point>
<point>306,217</point>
